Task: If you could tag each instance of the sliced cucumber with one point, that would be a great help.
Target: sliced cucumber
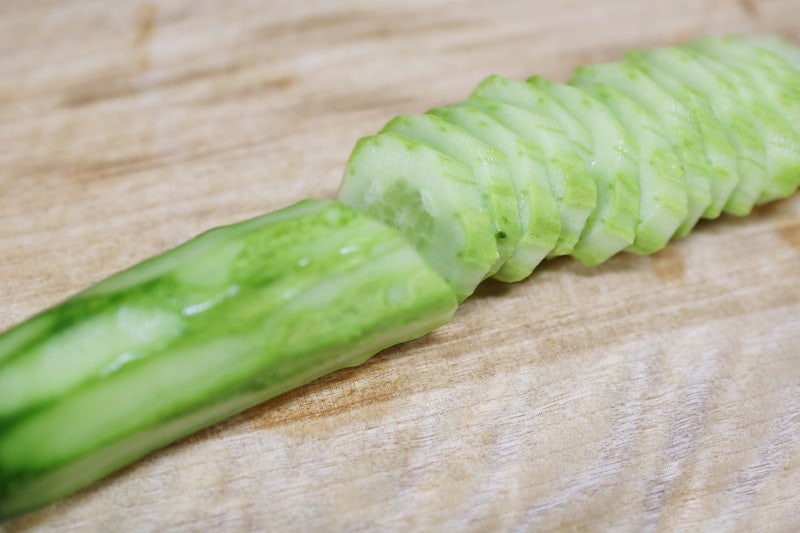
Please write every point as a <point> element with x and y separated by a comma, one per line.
<point>492,175</point>
<point>769,104</point>
<point>224,322</point>
<point>531,97</point>
<point>573,186</point>
<point>724,101</point>
<point>662,182</point>
<point>436,201</point>
<point>784,48</point>
<point>613,161</point>
<point>539,216</point>
<point>685,127</point>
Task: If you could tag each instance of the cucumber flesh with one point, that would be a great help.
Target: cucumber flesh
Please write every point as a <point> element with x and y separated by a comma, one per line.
<point>533,98</point>
<point>787,50</point>
<point>573,186</point>
<point>433,199</point>
<point>614,163</point>
<point>539,217</point>
<point>662,181</point>
<point>708,184</point>
<point>726,106</point>
<point>228,320</point>
<point>769,104</point>
<point>491,170</point>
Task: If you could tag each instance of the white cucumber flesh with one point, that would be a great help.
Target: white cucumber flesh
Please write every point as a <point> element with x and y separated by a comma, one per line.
<point>433,199</point>
<point>613,162</point>
<point>770,103</point>
<point>724,102</point>
<point>539,217</point>
<point>663,205</point>
<point>573,186</point>
<point>709,166</point>
<point>491,170</point>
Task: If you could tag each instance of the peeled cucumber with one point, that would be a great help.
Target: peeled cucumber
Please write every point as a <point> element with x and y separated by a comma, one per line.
<point>662,179</point>
<point>230,319</point>
<point>781,139</point>
<point>725,102</point>
<point>573,187</point>
<point>710,172</point>
<point>540,222</point>
<point>491,172</point>
<point>436,201</point>
<point>623,158</point>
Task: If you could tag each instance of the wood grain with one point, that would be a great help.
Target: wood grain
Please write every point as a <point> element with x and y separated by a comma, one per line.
<point>653,393</point>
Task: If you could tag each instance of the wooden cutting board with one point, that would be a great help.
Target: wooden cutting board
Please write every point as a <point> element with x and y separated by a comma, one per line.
<point>650,393</point>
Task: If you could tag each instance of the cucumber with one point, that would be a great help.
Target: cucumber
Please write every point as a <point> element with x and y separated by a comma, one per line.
<point>492,175</point>
<point>610,227</point>
<point>724,102</point>
<point>613,161</point>
<point>783,48</point>
<point>531,97</point>
<point>662,180</point>
<point>539,217</point>
<point>573,186</point>
<point>708,163</point>
<point>230,319</point>
<point>769,104</point>
<point>436,201</point>
<point>489,186</point>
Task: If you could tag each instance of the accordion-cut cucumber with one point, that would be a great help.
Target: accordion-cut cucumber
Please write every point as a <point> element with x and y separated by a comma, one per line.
<point>709,157</point>
<point>436,201</point>
<point>662,180</point>
<point>492,174</point>
<point>532,98</point>
<point>781,140</point>
<point>624,157</point>
<point>539,218</point>
<point>573,186</point>
<point>788,51</point>
<point>708,184</point>
<point>614,163</point>
<point>726,105</point>
<point>236,316</point>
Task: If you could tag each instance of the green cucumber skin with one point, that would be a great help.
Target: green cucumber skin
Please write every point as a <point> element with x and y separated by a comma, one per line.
<point>228,320</point>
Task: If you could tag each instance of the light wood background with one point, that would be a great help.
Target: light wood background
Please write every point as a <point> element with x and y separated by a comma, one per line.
<point>648,394</point>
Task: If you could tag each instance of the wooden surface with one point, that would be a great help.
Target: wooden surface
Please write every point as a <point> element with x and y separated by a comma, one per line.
<point>650,393</point>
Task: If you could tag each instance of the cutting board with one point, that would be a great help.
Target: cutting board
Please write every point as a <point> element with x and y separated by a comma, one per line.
<point>649,393</point>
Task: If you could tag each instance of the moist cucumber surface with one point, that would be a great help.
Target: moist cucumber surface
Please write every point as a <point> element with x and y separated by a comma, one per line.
<point>491,171</point>
<point>531,97</point>
<point>662,180</point>
<point>539,217</point>
<point>224,322</point>
<point>629,154</point>
<point>709,164</point>
<point>436,201</point>
<point>769,113</point>
<point>613,161</point>
<point>725,103</point>
<point>573,186</point>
